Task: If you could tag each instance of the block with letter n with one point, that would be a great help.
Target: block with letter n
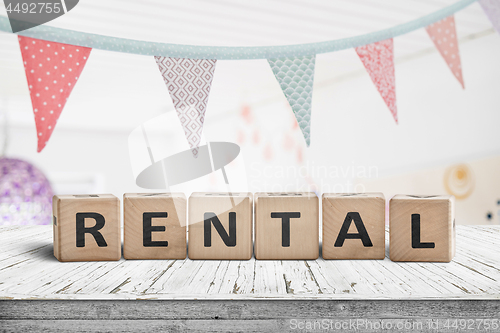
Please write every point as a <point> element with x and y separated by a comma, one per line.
<point>220,226</point>
<point>353,226</point>
<point>86,227</point>
<point>154,226</point>
<point>286,226</point>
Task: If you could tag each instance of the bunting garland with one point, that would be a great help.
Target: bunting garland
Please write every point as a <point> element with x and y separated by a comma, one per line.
<point>378,59</point>
<point>52,70</point>
<point>296,78</point>
<point>492,10</point>
<point>444,36</point>
<point>188,82</point>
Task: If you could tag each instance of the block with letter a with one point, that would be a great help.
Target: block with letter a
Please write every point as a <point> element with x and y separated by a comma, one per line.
<point>86,227</point>
<point>154,226</point>
<point>353,226</point>
<point>286,226</point>
<point>422,228</point>
<point>220,226</point>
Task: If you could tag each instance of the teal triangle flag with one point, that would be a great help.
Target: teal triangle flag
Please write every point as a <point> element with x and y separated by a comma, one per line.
<point>296,76</point>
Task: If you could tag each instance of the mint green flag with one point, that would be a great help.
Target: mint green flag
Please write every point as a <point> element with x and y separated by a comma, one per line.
<point>296,76</point>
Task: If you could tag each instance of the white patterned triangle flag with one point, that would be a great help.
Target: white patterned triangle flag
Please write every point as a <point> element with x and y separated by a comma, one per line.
<point>188,82</point>
<point>296,78</point>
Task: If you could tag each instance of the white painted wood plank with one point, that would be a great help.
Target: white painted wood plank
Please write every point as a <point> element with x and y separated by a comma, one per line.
<point>166,277</point>
<point>298,278</point>
<point>225,275</point>
<point>140,281</point>
<point>331,274</point>
<point>269,278</point>
<point>29,270</point>
<point>244,281</point>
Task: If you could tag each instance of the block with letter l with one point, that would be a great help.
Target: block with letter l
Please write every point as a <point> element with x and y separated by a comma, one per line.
<point>353,226</point>
<point>154,226</point>
<point>86,227</point>
<point>220,226</point>
<point>422,228</point>
<point>286,226</point>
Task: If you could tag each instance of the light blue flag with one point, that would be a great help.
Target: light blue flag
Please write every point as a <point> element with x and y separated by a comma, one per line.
<point>296,76</point>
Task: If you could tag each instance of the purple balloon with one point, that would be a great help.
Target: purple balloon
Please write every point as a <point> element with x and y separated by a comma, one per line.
<point>25,194</point>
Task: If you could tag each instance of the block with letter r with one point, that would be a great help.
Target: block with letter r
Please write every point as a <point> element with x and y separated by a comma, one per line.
<point>86,227</point>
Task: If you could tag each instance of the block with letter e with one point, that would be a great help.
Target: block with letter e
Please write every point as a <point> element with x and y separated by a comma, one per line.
<point>86,227</point>
<point>286,226</point>
<point>422,228</point>
<point>220,226</point>
<point>353,226</point>
<point>154,226</point>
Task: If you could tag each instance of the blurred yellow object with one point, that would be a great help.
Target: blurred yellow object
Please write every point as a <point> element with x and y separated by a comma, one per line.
<point>459,181</point>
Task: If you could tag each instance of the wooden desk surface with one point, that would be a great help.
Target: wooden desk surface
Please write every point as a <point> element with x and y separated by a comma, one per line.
<point>28,270</point>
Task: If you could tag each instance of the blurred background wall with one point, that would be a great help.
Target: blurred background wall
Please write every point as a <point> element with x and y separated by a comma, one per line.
<point>447,140</point>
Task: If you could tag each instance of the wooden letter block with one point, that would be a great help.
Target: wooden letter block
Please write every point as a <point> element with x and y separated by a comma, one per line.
<point>220,226</point>
<point>354,226</point>
<point>286,226</point>
<point>86,227</point>
<point>154,226</point>
<point>422,228</point>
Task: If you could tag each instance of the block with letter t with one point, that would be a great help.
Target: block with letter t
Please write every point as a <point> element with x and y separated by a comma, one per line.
<point>422,228</point>
<point>154,226</point>
<point>86,227</point>
<point>286,226</point>
<point>353,226</point>
<point>220,226</point>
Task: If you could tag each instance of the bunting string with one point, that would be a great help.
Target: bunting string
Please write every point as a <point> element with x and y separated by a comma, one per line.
<point>108,43</point>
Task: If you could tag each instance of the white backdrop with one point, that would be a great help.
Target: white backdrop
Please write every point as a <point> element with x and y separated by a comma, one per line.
<point>352,128</point>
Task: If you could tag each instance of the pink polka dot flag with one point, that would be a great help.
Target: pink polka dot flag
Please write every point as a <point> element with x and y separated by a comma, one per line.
<point>444,36</point>
<point>378,59</point>
<point>52,70</point>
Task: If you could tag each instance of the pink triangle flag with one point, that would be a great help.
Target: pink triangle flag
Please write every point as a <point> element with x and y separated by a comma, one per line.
<point>378,59</point>
<point>52,70</point>
<point>188,82</point>
<point>492,10</point>
<point>444,36</point>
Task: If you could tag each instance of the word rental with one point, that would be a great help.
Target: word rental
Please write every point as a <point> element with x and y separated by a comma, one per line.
<point>235,226</point>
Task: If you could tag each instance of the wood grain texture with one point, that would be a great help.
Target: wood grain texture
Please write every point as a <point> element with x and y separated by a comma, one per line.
<point>436,224</point>
<point>134,207</point>
<point>242,316</point>
<point>303,229</point>
<point>371,210</point>
<point>65,210</point>
<point>261,309</point>
<point>28,270</point>
<point>222,205</point>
